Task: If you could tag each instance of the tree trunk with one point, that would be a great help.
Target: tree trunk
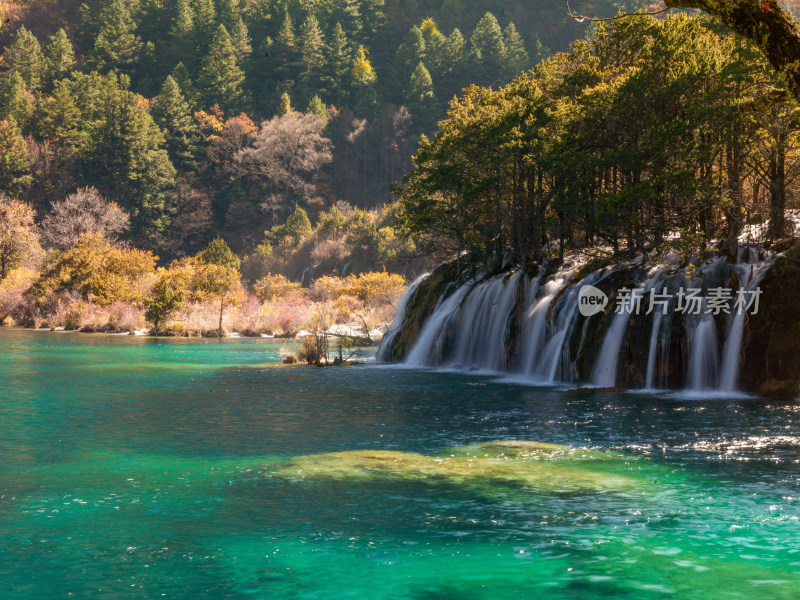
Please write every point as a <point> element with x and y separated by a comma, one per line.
<point>777,190</point>
<point>221,308</point>
<point>763,22</point>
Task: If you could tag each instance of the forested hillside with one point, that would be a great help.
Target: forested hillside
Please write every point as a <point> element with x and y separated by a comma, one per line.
<point>188,113</point>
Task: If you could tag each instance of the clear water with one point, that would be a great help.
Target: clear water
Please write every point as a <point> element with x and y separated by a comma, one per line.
<point>136,468</point>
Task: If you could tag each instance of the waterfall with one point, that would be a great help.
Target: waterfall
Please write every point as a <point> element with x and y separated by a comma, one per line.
<point>605,370</point>
<point>750,276</point>
<point>556,353</point>
<point>384,353</point>
<point>480,340</point>
<point>476,325</point>
<point>704,357</point>
<point>536,318</point>
<point>427,351</point>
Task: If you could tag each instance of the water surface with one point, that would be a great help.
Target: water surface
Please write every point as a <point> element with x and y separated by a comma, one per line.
<point>140,468</point>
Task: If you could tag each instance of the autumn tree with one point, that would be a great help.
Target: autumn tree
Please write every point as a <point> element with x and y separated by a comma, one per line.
<point>286,155</point>
<point>85,211</point>
<point>19,238</point>
<point>218,274</point>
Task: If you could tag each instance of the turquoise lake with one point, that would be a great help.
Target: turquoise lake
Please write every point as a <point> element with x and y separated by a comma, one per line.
<point>134,468</point>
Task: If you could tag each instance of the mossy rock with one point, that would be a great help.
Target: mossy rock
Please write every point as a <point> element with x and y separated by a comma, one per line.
<point>772,336</point>
<point>422,304</point>
<point>486,469</point>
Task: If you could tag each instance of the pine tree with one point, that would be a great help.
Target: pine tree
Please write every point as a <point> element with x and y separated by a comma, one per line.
<point>241,41</point>
<point>17,101</point>
<point>454,64</point>
<point>127,161</point>
<point>182,32</point>
<point>24,55</point>
<point>317,108</point>
<point>15,163</point>
<point>488,50</point>
<point>205,23</point>
<point>59,57</point>
<point>516,57</point>
<point>117,46</point>
<point>173,114</point>
<point>538,52</point>
<point>181,76</point>
<point>229,13</point>
<point>348,13</point>
<point>61,120</point>
<point>283,53</point>
<point>312,55</point>
<point>220,78</point>
<point>338,58</point>
<point>408,55</point>
<point>419,96</point>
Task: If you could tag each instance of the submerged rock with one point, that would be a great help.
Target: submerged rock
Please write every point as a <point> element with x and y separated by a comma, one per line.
<point>485,468</point>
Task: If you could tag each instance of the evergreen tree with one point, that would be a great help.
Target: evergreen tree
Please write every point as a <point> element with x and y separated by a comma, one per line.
<point>59,57</point>
<point>220,77</point>
<point>219,253</point>
<point>283,53</point>
<point>127,160</point>
<point>230,12</point>
<point>312,55</point>
<point>60,119</point>
<point>516,57</point>
<point>375,21</point>
<point>408,55</point>
<point>317,108</point>
<point>205,23</point>
<point>173,114</point>
<point>538,52</point>
<point>419,96</point>
<point>348,13</point>
<point>181,76</point>
<point>411,52</point>
<point>241,41</point>
<point>15,163</point>
<point>117,47</point>
<point>488,50</point>
<point>182,32</point>
<point>17,101</point>
<point>24,55</point>
<point>453,53</point>
<point>337,54</point>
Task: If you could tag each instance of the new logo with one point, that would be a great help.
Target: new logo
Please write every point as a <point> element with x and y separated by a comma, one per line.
<point>591,301</point>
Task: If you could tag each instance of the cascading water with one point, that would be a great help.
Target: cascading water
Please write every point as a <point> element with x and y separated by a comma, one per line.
<point>536,320</point>
<point>532,325</point>
<point>704,356</point>
<point>751,271</point>
<point>605,370</point>
<point>427,351</point>
<point>384,352</point>
<point>484,316</point>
